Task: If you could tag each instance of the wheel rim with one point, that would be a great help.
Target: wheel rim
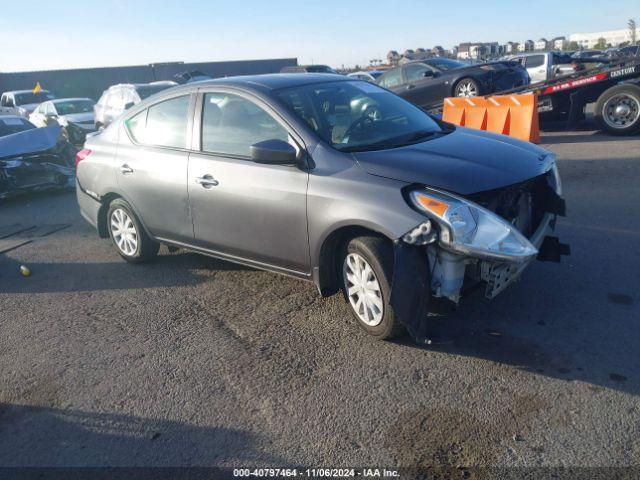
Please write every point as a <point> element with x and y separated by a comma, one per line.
<point>621,111</point>
<point>363,290</point>
<point>467,89</point>
<point>124,232</point>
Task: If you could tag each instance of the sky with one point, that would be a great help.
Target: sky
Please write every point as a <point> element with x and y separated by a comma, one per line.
<point>44,35</point>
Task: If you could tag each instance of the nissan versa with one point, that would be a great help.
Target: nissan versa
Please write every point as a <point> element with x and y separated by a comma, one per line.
<point>328,179</point>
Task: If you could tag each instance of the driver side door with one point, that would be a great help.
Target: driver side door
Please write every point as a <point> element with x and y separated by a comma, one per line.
<point>423,83</point>
<point>242,209</point>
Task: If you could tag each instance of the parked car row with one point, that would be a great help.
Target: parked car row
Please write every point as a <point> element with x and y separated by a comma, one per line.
<point>427,82</point>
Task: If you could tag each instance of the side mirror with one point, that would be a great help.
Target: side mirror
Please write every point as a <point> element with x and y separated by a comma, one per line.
<point>128,105</point>
<point>273,152</point>
<point>428,73</point>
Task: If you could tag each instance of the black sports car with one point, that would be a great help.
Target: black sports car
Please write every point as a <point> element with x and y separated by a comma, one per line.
<point>427,82</point>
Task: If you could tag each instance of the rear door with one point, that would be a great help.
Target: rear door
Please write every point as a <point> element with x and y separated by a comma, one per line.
<point>240,208</point>
<point>151,166</point>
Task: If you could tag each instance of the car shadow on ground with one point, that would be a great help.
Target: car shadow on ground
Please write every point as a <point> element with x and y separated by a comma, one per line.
<point>54,437</point>
<point>180,268</point>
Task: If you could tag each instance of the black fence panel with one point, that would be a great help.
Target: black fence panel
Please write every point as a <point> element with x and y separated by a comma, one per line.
<point>91,82</point>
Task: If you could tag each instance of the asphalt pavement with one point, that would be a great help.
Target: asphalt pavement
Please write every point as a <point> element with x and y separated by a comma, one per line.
<point>194,361</point>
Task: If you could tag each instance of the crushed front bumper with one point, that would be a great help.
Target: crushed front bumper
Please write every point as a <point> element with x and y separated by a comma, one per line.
<point>500,275</point>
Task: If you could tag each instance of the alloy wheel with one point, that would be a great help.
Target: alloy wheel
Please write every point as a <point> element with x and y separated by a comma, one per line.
<point>467,89</point>
<point>124,232</point>
<point>363,289</point>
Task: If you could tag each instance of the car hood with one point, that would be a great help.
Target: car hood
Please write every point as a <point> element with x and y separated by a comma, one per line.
<point>30,141</point>
<point>79,117</point>
<point>464,161</point>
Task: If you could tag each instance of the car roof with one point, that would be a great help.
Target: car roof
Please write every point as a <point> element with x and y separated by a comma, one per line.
<point>168,83</point>
<point>60,100</point>
<point>273,81</point>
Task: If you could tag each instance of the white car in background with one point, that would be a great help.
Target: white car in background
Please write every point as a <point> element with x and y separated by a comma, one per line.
<point>74,115</point>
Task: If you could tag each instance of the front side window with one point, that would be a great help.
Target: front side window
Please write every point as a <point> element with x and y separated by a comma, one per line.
<point>163,124</point>
<point>391,79</point>
<point>358,116</point>
<point>417,71</point>
<point>231,124</point>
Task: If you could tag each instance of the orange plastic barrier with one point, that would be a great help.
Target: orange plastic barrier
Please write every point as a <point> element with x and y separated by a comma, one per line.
<point>513,115</point>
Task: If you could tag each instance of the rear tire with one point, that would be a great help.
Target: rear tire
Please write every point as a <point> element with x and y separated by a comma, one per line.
<point>618,110</point>
<point>127,234</point>
<point>467,87</point>
<point>367,271</point>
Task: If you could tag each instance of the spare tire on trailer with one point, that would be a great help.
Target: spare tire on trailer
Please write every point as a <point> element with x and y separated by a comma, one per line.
<point>618,110</point>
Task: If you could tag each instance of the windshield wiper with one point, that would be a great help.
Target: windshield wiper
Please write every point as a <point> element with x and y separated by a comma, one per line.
<point>408,139</point>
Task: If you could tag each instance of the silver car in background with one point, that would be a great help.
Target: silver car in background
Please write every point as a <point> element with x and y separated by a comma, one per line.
<point>327,179</point>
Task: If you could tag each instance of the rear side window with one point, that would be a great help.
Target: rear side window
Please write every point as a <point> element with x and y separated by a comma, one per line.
<point>391,79</point>
<point>163,124</point>
<point>231,124</point>
<point>136,126</point>
<point>535,61</point>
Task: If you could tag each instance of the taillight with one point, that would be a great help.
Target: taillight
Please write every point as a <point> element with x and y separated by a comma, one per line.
<point>82,154</point>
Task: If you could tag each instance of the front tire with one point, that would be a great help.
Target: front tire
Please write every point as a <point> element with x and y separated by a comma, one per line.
<point>367,270</point>
<point>127,234</point>
<point>618,110</point>
<point>467,87</point>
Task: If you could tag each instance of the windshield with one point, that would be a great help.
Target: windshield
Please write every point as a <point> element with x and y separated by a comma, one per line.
<point>148,90</point>
<point>358,116</point>
<point>74,106</point>
<point>10,125</point>
<point>30,97</point>
<point>445,63</point>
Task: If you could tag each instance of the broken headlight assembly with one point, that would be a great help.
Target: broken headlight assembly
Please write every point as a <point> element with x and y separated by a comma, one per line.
<point>469,229</point>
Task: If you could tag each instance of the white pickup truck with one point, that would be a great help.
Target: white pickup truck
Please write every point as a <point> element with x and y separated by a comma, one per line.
<point>544,66</point>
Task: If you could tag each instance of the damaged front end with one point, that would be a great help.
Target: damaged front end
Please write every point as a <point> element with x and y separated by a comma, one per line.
<point>486,238</point>
<point>35,160</point>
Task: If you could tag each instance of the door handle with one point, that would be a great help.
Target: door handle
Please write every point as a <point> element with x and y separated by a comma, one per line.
<point>207,181</point>
<point>125,169</point>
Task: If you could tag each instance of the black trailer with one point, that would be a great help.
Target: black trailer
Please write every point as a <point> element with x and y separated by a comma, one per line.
<point>614,88</point>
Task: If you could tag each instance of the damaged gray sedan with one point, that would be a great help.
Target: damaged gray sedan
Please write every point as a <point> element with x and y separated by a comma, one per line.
<point>326,179</point>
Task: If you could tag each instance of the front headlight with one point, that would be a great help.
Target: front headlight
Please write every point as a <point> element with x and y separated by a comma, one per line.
<point>468,228</point>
